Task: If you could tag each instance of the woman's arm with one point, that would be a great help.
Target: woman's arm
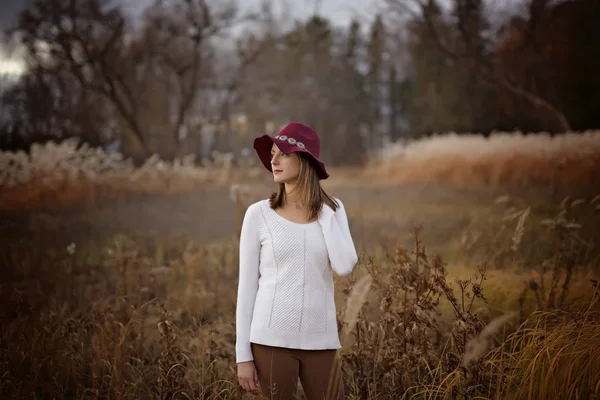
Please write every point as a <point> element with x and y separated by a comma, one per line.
<point>340,246</point>
<point>248,281</point>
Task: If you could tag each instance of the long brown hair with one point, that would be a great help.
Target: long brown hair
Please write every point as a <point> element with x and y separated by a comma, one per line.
<point>312,195</point>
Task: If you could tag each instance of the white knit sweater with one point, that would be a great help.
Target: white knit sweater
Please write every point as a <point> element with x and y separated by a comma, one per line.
<point>285,289</point>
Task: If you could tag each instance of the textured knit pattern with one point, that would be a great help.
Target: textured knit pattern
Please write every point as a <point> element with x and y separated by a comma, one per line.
<point>285,289</point>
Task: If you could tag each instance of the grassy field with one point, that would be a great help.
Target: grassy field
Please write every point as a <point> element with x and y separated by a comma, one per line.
<point>478,276</point>
<point>459,293</point>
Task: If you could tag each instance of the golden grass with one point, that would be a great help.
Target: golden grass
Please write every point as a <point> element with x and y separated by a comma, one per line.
<point>40,194</point>
<point>554,356</point>
<point>127,328</point>
<point>151,316</point>
<point>66,174</point>
<point>150,322</point>
<point>563,169</point>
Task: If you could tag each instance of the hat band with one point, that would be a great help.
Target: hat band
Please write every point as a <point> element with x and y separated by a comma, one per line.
<point>291,141</point>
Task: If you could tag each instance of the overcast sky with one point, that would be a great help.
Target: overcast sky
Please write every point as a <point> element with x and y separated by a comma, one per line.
<point>339,11</point>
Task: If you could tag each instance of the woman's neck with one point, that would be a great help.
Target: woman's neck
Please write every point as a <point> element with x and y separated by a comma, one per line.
<point>291,196</point>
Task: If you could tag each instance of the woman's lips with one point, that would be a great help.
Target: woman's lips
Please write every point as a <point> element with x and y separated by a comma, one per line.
<point>277,171</point>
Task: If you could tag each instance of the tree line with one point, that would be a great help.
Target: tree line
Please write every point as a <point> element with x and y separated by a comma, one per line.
<point>193,76</point>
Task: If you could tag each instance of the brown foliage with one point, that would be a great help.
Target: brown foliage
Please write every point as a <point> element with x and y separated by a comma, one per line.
<point>149,316</point>
<point>402,341</point>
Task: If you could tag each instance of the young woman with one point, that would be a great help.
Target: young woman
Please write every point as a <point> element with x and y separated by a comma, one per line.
<point>290,245</point>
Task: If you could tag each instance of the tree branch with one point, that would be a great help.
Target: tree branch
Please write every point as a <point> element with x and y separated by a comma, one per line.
<point>483,69</point>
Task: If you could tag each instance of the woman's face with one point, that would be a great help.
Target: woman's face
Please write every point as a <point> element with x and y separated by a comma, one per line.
<point>286,167</point>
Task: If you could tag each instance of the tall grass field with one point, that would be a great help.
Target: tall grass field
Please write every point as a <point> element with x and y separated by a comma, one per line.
<point>478,275</point>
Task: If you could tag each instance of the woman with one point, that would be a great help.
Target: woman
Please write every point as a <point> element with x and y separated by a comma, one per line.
<point>290,245</point>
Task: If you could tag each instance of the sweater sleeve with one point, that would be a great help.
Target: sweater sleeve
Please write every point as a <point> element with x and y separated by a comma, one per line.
<point>249,258</point>
<point>340,246</point>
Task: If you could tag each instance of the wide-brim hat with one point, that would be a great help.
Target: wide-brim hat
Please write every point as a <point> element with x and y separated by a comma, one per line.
<point>294,137</point>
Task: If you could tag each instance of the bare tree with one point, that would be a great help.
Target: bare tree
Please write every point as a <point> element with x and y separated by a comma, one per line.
<point>87,39</point>
<point>469,48</point>
<point>181,47</point>
<point>153,78</point>
<point>44,104</point>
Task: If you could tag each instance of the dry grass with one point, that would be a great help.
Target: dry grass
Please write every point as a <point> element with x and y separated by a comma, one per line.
<point>133,319</point>
<point>41,194</point>
<point>565,161</point>
<point>408,346</point>
<point>67,174</point>
<point>151,316</point>
<point>553,356</point>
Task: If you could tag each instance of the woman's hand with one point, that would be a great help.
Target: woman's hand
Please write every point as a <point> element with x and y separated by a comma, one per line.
<point>248,377</point>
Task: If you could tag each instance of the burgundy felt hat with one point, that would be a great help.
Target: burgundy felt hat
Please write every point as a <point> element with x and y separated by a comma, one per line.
<point>294,137</point>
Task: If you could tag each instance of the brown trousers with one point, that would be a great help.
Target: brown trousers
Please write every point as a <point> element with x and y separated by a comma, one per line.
<point>279,368</point>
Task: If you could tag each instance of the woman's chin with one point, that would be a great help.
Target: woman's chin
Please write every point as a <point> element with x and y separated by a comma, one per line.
<point>281,179</point>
